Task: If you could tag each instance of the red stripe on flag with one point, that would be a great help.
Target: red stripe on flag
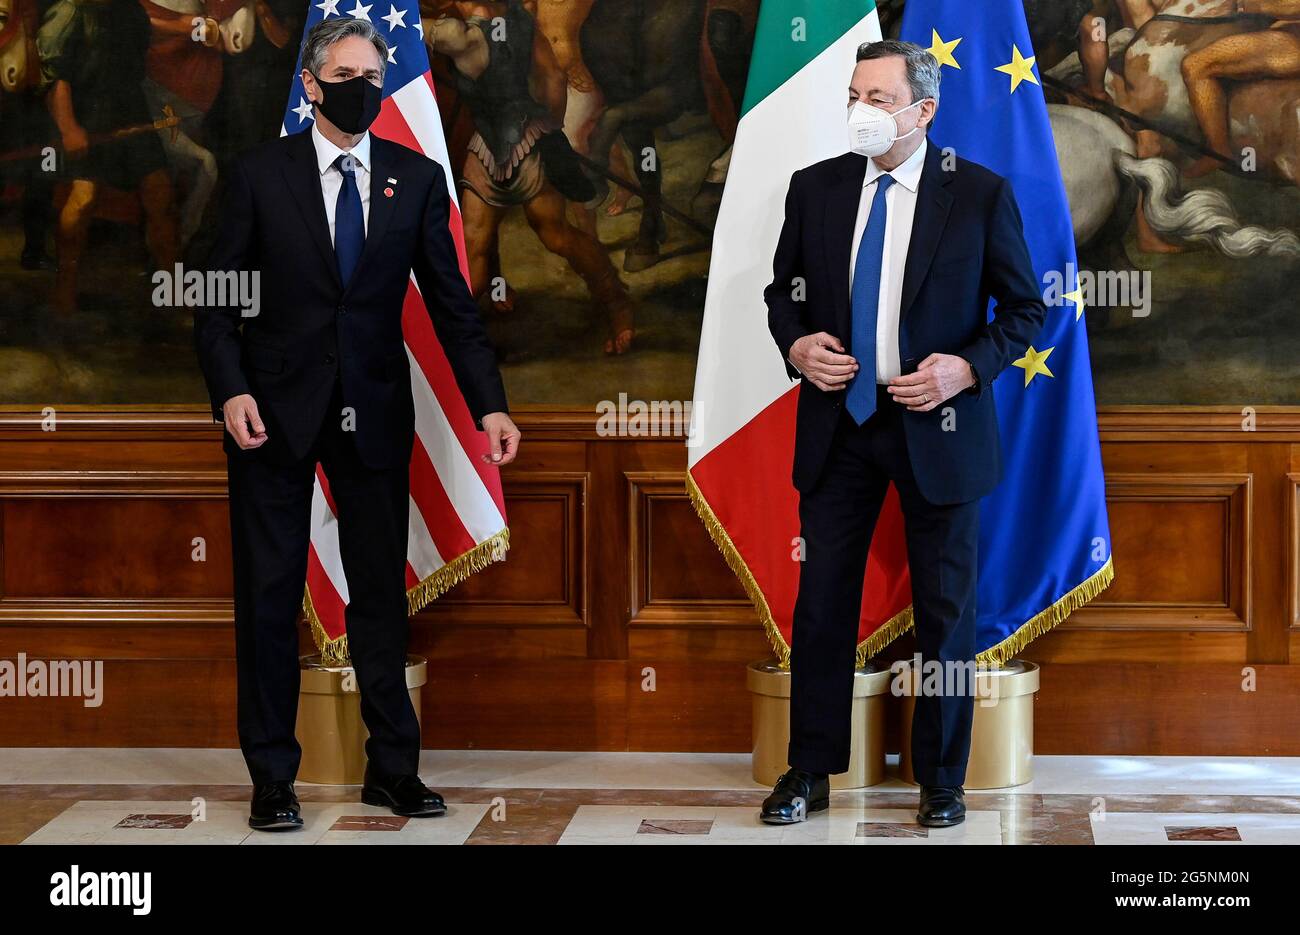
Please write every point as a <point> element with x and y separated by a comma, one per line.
<point>751,468</point>
<point>325,599</point>
<point>392,125</point>
<point>417,329</point>
<point>449,534</point>
<point>325,488</point>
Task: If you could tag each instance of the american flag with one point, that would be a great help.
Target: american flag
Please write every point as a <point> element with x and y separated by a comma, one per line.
<point>458,522</point>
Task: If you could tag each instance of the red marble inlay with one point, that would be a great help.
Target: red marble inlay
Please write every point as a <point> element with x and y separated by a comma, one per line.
<point>891,829</point>
<point>675,826</point>
<point>155,822</point>
<point>369,823</point>
<point>1202,833</point>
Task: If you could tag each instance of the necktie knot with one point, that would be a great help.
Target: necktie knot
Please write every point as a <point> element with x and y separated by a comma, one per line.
<point>346,163</point>
<point>883,182</point>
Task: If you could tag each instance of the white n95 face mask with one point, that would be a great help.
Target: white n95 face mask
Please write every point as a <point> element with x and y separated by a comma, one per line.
<point>872,130</point>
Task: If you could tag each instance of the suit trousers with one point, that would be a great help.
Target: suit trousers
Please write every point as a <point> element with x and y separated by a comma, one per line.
<point>270,523</point>
<point>837,518</point>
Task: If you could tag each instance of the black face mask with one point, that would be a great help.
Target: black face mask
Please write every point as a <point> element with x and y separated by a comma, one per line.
<point>350,105</point>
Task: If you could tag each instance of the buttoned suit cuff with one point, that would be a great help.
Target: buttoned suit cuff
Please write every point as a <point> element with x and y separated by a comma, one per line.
<point>982,359</point>
<point>976,389</point>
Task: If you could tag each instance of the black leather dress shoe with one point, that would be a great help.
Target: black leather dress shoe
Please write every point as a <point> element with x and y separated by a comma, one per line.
<point>797,794</point>
<point>942,806</point>
<point>274,807</point>
<point>403,795</point>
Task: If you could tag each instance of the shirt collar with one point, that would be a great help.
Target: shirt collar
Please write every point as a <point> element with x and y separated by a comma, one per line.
<point>908,173</point>
<point>327,152</point>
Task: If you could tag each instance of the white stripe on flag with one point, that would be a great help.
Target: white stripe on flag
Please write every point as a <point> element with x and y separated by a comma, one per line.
<point>325,539</point>
<point>420,549</point>
<point>739,372</point>
<point>419,109</point>
<point>469,497</point>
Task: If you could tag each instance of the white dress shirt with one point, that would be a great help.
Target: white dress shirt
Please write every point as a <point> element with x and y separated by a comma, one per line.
<point>331,179</point>
<point>900,208</point>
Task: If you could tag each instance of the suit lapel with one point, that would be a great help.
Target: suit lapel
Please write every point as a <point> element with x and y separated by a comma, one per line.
<point>933,202</point>
<point>841,214</point>
<point>381,203</point>
<point>302,176</point>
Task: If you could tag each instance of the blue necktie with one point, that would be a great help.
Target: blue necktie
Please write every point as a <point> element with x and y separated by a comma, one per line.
<point>861,401</point>
<point>349,223</point>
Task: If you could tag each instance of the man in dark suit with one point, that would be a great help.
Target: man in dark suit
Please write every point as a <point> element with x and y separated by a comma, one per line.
<point>333,221</point>
<point>881,283</point>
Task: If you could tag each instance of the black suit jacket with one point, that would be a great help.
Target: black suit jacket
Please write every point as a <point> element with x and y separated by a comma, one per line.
<point>311,328</point>
<point>967,245</point>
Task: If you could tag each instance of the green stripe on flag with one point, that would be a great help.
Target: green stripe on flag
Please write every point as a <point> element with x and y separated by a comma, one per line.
<point>790,34</point>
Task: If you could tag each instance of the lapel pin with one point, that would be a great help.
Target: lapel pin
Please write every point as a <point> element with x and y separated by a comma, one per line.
<point>392,181</point>
<point>388,193</point>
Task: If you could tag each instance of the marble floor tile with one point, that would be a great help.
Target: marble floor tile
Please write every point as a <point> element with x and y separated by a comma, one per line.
<point>514,769</point>
<point>169,796</point>
<point>109,822</point>
<point>622,824</point>
<point>452,828</point>
<point>1195,828</point>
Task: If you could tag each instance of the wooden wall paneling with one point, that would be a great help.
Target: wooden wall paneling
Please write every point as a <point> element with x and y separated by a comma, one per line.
<point>1181,550</point>
<point>544,580</point>
<point>613,576</point>
<point>110,548</point>
<point>1291,535</point>
<point>675,581</point>
<point>1268,540</point>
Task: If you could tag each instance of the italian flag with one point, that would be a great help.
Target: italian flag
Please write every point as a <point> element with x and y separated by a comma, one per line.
<point>741,447</point>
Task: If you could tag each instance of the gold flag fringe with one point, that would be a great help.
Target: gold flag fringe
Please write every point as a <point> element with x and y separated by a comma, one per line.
<point>1000,654</point>
<point>873,644</point>
<point>334,652</point>
<point>994,657</point>
<point>718,533</point>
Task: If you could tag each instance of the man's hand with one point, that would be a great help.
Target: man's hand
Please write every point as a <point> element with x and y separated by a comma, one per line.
<point>820,357</point>
<point>243,423</point>
<point>938,378</point>
<point>503,438</point>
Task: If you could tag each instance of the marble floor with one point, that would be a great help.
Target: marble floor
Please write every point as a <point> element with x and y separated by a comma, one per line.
<point>110,796</point>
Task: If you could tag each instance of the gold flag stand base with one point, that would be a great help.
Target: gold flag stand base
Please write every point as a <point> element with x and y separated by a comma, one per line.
<point>330,729</point>
<point>769,687</point>
<point>1002,735</point>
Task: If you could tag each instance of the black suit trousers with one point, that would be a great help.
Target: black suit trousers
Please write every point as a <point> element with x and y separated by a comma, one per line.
<point>837,518</point>
<point>270,519</point>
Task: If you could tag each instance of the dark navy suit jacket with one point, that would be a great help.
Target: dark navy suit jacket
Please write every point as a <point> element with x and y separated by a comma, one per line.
<point>313,329</point>
<point>967,245</point>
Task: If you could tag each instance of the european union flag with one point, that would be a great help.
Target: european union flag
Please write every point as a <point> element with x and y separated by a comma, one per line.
<point>1044,535</point>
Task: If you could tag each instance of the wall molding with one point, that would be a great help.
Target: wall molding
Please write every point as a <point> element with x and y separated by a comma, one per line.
<point>1233,492</point>
<point>1115,423</point>
<point>645,489</point>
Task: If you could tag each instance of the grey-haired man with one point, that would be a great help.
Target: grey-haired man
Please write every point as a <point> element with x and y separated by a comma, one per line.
<point>895,251</point>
